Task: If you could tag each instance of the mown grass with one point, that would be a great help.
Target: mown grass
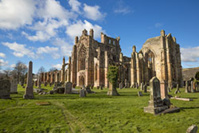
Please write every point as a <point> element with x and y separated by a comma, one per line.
<point>95,113</point>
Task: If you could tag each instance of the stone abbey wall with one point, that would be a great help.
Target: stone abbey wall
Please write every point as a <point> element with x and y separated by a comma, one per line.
<point>89,61</point>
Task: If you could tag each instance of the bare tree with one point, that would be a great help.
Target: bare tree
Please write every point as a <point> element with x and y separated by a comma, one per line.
<point>41,70</point>
<point>53,69</point>
<point>7,72</point>
<point>21,70</point>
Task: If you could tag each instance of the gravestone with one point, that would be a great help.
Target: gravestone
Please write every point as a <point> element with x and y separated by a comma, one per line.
<point>187,87</point>
<point>163,89</point>
<point>82,93</point>
<point>155,103</point>
<point>177,89</point>
<point>88,90</point>
<point>121,85</point>
<point>101,87</point>
<point>145,88</point>
<point>192,129</point>
<point>38,82</point>
<point>142,86</point>
<point>68,88</point>
<point>98,87</point>
<point>5,88</point>
<point>13,87</point>
<point>29,87</point>
<point>192,90</point>
<point>92,86</point>
<point>45,83</point>
<point>140,93</point>
<point>74,85</point>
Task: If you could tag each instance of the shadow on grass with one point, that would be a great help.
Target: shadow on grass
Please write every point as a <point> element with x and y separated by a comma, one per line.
<point>189,108</point>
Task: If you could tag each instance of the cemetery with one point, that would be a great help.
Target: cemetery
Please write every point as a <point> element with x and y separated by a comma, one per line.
<point>83,111</point>
<point>105,92</point>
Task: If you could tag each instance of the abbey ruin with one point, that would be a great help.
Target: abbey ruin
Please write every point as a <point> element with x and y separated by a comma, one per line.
<point>88,64</point>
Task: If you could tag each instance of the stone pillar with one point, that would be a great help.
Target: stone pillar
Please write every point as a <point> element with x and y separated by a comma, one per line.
<point>186,87</point>
<point>169,62</point>
<point>163,58</point>
<point>74,65</point>
<point>106,68</point>
<point>163,89</point>
<point>133,67</point>
<point>138,69</point>
<point>63,71</point>
<point>69,71</point>
<point>29,88</point>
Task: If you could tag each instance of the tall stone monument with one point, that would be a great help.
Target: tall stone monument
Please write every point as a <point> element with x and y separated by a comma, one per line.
<point>29,87</point>
<point>155,103</point>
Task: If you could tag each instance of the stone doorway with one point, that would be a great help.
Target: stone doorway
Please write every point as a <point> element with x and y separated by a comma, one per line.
<point>81,80</point>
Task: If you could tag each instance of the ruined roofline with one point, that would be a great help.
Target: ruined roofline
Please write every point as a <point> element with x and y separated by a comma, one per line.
<point>104,38</point>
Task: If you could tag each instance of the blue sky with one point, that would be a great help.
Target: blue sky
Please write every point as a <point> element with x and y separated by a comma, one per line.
<point>43,31</point>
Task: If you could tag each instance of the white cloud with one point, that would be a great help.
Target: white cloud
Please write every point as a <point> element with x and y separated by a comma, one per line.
<point>20,50</point>
<point>2,55</point>
<point>75,5</point>
<point>158,25</point>
<point>13,65</point>
<point>53,51</point>
<point>16,13</point>
<point>190,54</point>
<point>93,13</point>
<point>3,63</point>
<point>64,47</point>
<point>122,8</point>
<point>52,16</point>
<point>58,66</point>
<point>76,29</point>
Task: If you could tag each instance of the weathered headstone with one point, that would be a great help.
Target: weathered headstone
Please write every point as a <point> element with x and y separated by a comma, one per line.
<point>101,87</point>
<point>192,129</point>
<point>92,86</point>
<point>5,89</point>
<point>29,87</point>
<point>88,90</point>
<point>142,86</point>
<point>38,82</point>
<point>121,85</point>
<point>98,87</point>
<point>140,93</point>
<point>13,88</point>
<point>155,104</point>
<point>82,93</point>
<point>74,85</point>
<point>45,83</point>
<point>68,88</point>
<point>187,87</point>
<point>192,90</point>
<point>145,88</point>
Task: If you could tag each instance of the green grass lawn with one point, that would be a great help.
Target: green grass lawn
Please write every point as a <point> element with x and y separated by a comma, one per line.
<point>95,113</point>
